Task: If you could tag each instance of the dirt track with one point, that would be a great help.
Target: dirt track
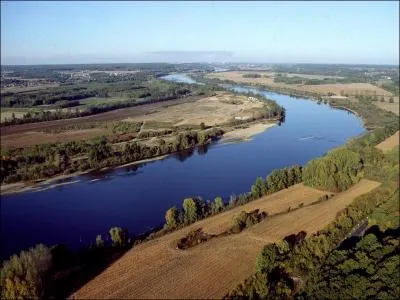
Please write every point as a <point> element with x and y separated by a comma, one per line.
<point>389,143</point>
<point>156,269</point>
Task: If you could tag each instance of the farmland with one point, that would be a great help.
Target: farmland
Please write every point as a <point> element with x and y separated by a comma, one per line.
<point>267,79</point>
<point>389,143</point>
<point>155,268</point>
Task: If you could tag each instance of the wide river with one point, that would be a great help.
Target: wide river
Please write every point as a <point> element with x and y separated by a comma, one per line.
<point>137,197</point>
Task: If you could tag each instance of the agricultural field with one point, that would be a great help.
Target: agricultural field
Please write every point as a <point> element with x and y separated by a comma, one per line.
<point>154,269</point>
<point>390,142</point>
<point>267,78</point>
<point>16,135</point>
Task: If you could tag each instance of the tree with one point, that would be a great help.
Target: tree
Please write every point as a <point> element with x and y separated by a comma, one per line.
<point>391,100</point>
<point>218,205</point>
<point>259,188</point>
<point>27,276</point>
<point>382,99</point>
<point>99,241</point>
<point>191,210</point>
<point>119,236</point>
<point>172,218</point>
<point>202,126</point>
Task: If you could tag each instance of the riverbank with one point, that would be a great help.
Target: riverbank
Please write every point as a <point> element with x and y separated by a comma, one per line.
<point>41,185</point>
<point>245,134</point>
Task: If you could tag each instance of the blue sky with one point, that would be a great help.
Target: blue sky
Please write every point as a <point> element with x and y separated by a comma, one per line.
<point>100,32</point>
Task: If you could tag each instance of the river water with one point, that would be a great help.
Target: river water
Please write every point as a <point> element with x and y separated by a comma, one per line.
<point>137,197</point>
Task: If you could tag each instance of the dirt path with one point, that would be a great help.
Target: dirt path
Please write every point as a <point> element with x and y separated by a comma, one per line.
<point>156,270</point>
<point>389,143</point>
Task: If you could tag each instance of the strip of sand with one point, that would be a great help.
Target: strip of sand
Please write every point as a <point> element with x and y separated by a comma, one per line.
<point>245,134</point>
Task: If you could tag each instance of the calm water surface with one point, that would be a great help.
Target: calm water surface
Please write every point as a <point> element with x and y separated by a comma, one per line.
<point>137,197</point>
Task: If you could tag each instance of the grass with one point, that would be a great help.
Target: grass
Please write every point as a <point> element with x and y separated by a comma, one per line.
<point>98,100</point>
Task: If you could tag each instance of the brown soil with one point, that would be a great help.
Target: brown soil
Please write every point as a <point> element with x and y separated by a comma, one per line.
<point>389,143</point>
<point>155,269</point>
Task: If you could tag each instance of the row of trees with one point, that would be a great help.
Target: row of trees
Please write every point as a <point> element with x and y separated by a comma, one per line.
<point>335,172</point>
<point>194,209</point>
<point>277,180</point>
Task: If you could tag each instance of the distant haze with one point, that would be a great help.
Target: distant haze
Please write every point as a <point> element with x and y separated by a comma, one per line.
<point>214,32</point>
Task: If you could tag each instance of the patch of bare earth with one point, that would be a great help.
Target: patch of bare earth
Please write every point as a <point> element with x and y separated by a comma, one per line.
<point>389,143</point>
<point>155,269</point>
<point>323,89</point>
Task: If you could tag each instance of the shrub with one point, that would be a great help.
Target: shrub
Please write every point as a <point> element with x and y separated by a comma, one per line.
<point>119,236</point>
<point>172,218</point>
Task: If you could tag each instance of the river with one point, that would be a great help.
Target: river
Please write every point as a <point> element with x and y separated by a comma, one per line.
<point>137,197</point>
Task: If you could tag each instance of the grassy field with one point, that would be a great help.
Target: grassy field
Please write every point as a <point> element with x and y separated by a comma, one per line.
<point>322,89</point>
<point>30,138</point>
<point>389,143</point>
<point>393,107</point>
<point>214,110</point>
<point>18,89</point>
<point>155,269</point>
<point>99,100</point>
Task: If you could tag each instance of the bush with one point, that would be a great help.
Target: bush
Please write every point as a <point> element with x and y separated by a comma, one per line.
<point>27,276</point>
<point>172,218</point>
<point>119,236</point>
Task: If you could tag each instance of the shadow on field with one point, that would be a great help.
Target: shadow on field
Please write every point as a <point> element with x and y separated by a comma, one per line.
<point>73,270</point>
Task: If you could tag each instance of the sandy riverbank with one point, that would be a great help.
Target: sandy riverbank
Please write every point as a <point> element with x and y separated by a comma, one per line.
<point>245,134</point>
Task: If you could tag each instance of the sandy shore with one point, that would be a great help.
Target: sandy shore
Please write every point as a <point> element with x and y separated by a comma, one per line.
<point>20,187</point>
<point>245,134</point>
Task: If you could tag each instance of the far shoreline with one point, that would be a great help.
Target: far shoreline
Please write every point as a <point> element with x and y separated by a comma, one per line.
<point>21,187</point>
